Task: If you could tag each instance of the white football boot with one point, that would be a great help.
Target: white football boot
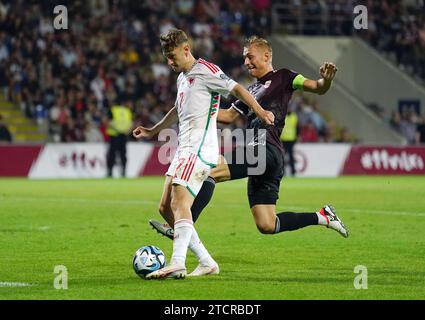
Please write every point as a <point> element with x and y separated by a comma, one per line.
<point>333,221</point>
<point>205,270</point>
<point>171,271</point>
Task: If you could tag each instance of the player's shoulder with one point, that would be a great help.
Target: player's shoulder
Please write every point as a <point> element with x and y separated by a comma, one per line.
<point>287,75</point>
<point>206,67</point>
<point>286,71</point>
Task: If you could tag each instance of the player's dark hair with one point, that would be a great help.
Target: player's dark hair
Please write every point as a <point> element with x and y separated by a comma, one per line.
<point>172,39</point>
<point>257,41</point>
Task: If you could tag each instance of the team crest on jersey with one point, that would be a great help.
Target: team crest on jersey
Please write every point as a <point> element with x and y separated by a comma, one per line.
<point>267,84</point>
<point>215,103</point>
<point>224,77</point>
<point>191,81</point>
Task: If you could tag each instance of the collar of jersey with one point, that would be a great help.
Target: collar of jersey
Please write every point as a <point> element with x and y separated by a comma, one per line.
<point>191,68</point>
<point>266,75</point>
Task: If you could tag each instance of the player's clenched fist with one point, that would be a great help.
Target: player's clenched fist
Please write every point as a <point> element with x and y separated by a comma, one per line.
<point>267,117</point>
<point>142,132</point>
<point>328,71</point>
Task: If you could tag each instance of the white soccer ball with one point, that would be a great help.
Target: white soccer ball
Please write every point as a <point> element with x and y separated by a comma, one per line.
<point>148,259</point>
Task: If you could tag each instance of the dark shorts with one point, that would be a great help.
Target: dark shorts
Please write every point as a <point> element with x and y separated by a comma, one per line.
<point>262,188</point>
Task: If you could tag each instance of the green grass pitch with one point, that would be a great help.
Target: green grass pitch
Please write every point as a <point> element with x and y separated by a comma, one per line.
<point>93,227</point>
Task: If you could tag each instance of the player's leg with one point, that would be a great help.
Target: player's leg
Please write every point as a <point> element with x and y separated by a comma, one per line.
<point>291,145</point>
<point>165,203</point>
<point>181,201</point>
<point>123,153</point>
<point>186,185</point>
<point>165,211</point>
<point>110,156</point>
<point>221,173</point>
<point>167,230</point>
<point>218,174</point>
<point>228,168</point>
<point>268,222</point>
<point>263,193</point>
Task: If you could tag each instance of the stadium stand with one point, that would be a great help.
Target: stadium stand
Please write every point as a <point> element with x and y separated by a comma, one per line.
<point>57,85</point>
<point>62,82</point>
<point>396,28</point>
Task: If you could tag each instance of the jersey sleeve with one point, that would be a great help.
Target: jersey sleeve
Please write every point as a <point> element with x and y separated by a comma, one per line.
<point>219,82</point>
<point>240,107</point>
<point>298,82</point>
<point>293,80</point>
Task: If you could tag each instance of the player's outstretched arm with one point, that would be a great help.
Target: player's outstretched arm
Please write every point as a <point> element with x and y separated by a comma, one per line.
<point>327,71</point>
<point>169,119</point>
<point>227,115</point>
<point>242,94</point>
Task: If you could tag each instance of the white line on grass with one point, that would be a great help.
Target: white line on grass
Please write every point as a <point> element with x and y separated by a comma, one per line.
<point>230,205</point>
<point>14,284</point>
<point>367,211</point>
<point>79,200</point>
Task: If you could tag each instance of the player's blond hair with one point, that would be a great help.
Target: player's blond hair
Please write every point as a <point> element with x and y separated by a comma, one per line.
<point>260,42</point>
<point>172,39</point>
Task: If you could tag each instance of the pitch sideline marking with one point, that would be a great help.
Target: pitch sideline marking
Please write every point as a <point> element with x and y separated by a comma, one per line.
<point>14,284</point>
<point>148,202</point>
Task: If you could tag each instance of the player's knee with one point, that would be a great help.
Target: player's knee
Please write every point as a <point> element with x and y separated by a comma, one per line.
<point>266,228</point>
<point>220,174</point>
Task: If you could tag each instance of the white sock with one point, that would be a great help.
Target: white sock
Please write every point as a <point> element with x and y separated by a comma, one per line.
<point>183,230</point>
<point>199,249</point>
<point>321,219</point>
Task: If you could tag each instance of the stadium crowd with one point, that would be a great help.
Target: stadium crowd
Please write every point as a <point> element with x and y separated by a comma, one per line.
<point>67,79</point>
<point>398,28</point>
<point>395,27</point>
<point>410,125</point>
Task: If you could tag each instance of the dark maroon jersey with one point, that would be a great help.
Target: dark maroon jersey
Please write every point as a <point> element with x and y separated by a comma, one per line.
<point>273,92</point>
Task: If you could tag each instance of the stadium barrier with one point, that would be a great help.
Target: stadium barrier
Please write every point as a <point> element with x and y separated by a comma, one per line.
<point>16,161</point>
<point>385,160</point>
<point>88,160</point>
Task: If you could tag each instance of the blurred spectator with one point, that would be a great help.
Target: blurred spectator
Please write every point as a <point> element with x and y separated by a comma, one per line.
<point>420,131</point>
<point>343,136</point>
<point>289,138</point>
<point>71,132</point>
<point>407,126</point>
<point>308,133</point>
<point>5,134</point>
<point>331,132</point>
<point>118,129</point>
<point>92,132</point>
<point>395,120</point>
<point>317,119</point>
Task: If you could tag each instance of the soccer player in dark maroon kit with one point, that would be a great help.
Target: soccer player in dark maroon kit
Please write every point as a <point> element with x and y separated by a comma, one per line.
<point>273,90</point>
